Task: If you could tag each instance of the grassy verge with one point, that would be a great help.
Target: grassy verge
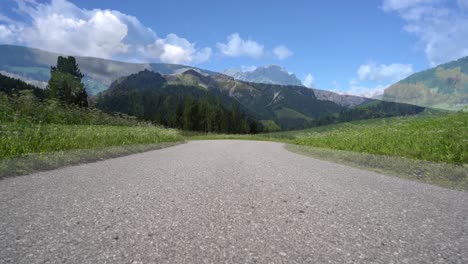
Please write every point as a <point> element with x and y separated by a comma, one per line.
<point>427,148</point>
<point>27,147</point>
<point>19,139</point>
<point>437,138</point>
<point>442,174</point>
<point>52,160</point>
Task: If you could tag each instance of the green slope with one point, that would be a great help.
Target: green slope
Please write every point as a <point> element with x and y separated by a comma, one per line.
<point>444,87</point>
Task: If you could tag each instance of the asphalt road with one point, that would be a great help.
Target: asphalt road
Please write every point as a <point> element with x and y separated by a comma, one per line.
<point>227,202</point>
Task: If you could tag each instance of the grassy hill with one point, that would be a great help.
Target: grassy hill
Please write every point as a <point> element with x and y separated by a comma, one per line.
<point>444,87</point>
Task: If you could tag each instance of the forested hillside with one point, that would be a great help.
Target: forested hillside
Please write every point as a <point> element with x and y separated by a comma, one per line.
<point>11,86</point>
<point>147,95</point>
<point>220,103</point>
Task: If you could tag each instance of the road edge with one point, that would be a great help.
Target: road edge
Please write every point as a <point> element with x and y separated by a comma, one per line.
<point>441,174</point>
<point>37,162</point>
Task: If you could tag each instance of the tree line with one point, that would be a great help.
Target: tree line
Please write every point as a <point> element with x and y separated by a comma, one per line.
<point>180,107</point>
<point>373,110</point>
<point>208,115</point>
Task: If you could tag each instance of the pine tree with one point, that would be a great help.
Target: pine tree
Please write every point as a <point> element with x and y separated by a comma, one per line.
<point>190,114</point>
<point>179,116</point>
<point>68,65</point>
<point>65,83</point>
<point>236,125</point>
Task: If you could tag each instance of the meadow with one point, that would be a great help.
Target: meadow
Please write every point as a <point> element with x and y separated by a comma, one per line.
<point>37,135</point>
<point>440,137</point>
<point>19,139</point>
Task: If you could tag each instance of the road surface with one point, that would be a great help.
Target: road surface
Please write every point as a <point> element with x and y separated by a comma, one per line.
<point>227,202</point>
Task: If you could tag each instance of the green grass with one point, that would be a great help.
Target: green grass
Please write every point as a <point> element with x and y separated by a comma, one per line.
<point>429,148</point>
<point>37,135</point>
<point>446,175</point>
<point>430,137</point>
<point>438,138</point>
<point>27,147</point>
<point>34,162</point>
<point>288,113</point>
<point>19,139</point>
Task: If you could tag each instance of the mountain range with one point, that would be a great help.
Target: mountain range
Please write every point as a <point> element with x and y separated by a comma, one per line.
<point>445,86</point>
<point>273,74</point>
<point>33,66</point>
<point>290,107</point>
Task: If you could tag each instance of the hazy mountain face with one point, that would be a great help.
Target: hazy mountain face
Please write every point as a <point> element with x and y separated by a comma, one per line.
<point>445,87</point>
<point>271,74</point>
<point>274,74</point>
<point>33,66</point>
<point>348,101</point>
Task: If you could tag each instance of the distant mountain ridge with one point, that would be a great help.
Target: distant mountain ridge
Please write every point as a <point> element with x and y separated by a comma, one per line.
<point>273,74</point>
<point>291,107</point>
<point>444,86</point>
<point>33,66</point>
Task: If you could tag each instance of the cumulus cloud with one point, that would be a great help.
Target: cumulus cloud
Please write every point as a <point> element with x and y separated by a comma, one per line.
<point>5,19</point>
<point>174,49</point>
<point>237,47</point>
<point>366,91</point>
<point>383,72</point>
<point>372,79</point>
<point>309,81</point>
<point>282,52</point>
<point>249,68</point>
<point>63,27</point>
<point>6,34</point>
<point>440,25</point>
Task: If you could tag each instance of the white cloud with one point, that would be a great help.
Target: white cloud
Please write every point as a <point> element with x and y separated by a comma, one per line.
<point>365,91</point>
<point>383,72</point>
<point>442,28</point>
<point>309,81</point>
<point>5,19</point>
<point>237,47</point>
<point>6,34</point>
<point>250,68</point>
<point>63,27</point>
<point>173,49</point>
<point>282,52</point>
<point>392,5</point>
<point>372,79</point>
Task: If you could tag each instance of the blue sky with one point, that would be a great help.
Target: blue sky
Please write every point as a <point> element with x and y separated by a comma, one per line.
<point>358,47</point>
